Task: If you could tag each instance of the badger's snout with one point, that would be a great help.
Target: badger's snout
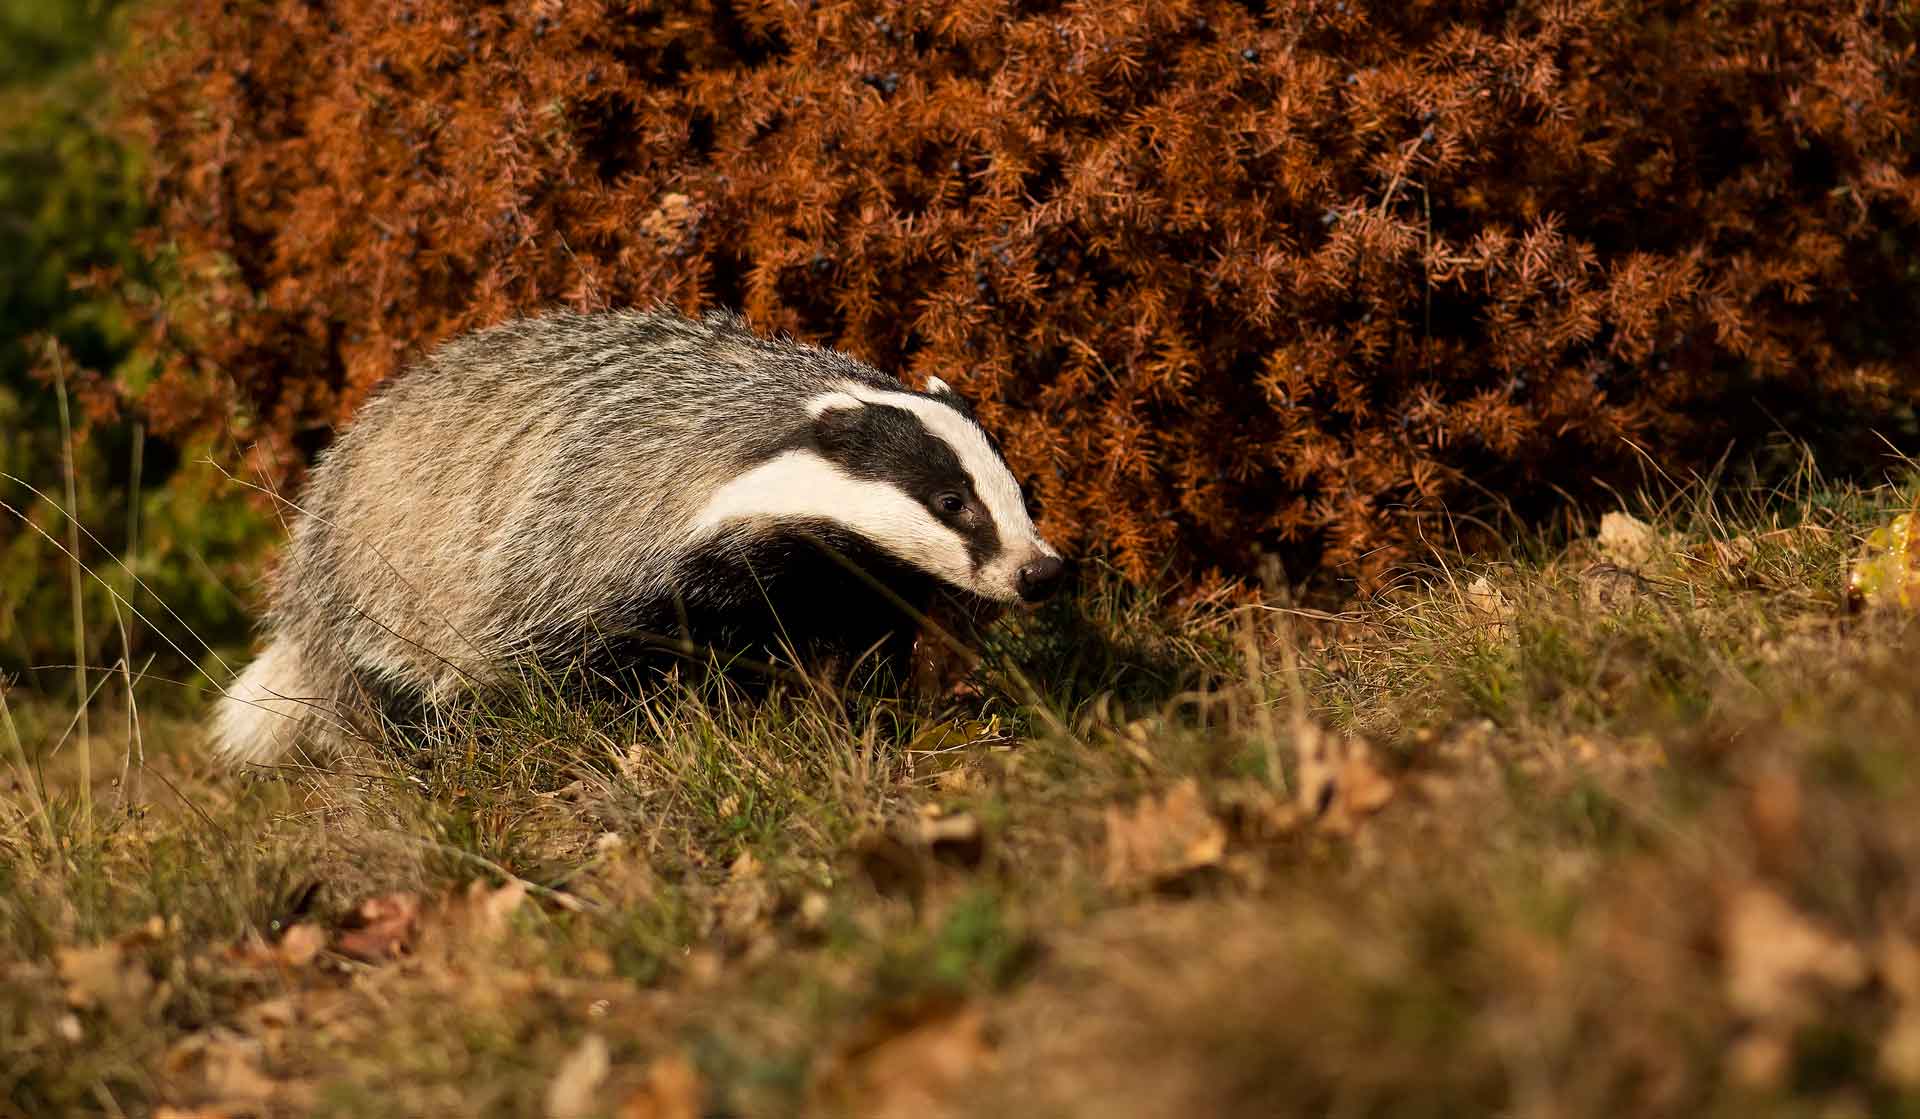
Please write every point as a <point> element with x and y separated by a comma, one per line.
<point>1039,578</point>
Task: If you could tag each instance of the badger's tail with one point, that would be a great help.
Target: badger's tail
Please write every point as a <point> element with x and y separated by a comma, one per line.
<point>280,702</point>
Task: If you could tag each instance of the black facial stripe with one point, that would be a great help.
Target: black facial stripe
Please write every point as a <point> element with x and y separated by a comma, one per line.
<point>887,444</point>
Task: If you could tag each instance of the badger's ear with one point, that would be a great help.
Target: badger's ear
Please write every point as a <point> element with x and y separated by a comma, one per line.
<point>941,389</point>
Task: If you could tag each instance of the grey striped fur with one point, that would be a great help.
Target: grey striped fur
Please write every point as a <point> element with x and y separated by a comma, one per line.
<point>533,482</point>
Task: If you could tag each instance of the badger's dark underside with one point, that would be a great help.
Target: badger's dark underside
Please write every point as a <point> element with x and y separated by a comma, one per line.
<point>819,603</point>
<point>815,604</point>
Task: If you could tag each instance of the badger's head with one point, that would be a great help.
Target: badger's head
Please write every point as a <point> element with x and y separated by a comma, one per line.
<point>914,475</point>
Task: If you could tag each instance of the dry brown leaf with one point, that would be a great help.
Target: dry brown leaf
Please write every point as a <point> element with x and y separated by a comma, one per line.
<point>955,837</point>
<point>1255,812</point>
<point>1339,784</point>
<point>270,1016</point>
<point>102,976</point>
<point>1760,1059</point>
<point>1629,541</point>
<point>1773,814</point>
<point>748,900</point>
<point>1899,968</point>
<point>1608,586</point>
<point>673,1090</point>
<point>297,947</point>
<point>301,943</point>
<point>895,867</point>
<point>578,1079</point>
<point>222,1067</point>
<point>920,1073</point>
<point>1492,609</point>
<point>1733,556</point>
<point>1161,838</point>
<point>483,912</point>
<point>383,928</point>
<point>1900,1050</point>
<point>1777,958</point>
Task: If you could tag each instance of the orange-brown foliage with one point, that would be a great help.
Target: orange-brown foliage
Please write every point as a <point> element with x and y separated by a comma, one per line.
<point>1226,275</point>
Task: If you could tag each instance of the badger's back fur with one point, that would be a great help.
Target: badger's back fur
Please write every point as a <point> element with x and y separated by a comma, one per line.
<point>577,484</point>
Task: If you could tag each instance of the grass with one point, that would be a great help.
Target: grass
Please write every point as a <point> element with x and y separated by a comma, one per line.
<point>1580,831</point>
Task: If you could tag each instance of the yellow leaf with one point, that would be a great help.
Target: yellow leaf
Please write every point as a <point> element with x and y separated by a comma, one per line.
<point>1887,571</point>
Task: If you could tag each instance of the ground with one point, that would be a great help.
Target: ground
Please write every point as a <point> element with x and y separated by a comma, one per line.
<point>1624,822</point>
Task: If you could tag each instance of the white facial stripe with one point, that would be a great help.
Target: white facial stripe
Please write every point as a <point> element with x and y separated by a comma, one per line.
<point>802,485</point>
<point>991,479</point>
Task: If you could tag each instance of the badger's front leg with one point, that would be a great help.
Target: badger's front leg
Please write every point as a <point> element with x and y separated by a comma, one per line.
<point>944,650</point>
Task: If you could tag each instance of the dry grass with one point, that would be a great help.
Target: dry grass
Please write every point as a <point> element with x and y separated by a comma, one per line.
<point>1626,834</point>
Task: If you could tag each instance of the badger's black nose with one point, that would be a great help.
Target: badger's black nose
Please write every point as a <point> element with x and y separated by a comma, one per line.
<point>1041,578</point>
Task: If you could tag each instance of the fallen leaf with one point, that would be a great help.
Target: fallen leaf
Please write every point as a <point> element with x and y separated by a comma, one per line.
<point>1760,1059</point>
<point>488,910</point>
<point>1777,958</point>
<point>1339,784</point>
<point>894,867</point>
<point>1256,813</point>
<point>955,837</point>
<point>1491,608</point>
<point>1886,573</point>
<point>1730,557</point>
<point>269,1016</point>
<point>1773,813</point>
<point>673,1090</point>
<point>1161,838</point>
<point>1899,968</point>
<point>382,928</point>
<point>1900,1050</point>
<point>301,943</point>
<point>948,750</point>
<point>102,976</point>
<point>1605,587</point>
<point>221,1067</point>
<point>747,901</point>
<point>578,1079</point>
<point>814,908</point>
<point>920,1073</point>
<point>1629,541</point>
<point>297,947</point>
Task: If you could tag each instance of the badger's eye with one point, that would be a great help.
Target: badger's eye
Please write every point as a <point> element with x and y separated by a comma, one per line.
<point>950,503</point>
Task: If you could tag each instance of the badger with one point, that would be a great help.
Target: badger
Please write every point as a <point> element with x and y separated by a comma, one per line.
<point>613,485</point>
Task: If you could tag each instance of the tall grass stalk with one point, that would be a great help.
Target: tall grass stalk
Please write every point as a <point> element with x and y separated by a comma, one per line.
<point>135,747</point>
<point>85,744</point>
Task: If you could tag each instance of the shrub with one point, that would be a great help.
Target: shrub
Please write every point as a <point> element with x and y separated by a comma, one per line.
<point>70,207</point>
<point>1303,275</point>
